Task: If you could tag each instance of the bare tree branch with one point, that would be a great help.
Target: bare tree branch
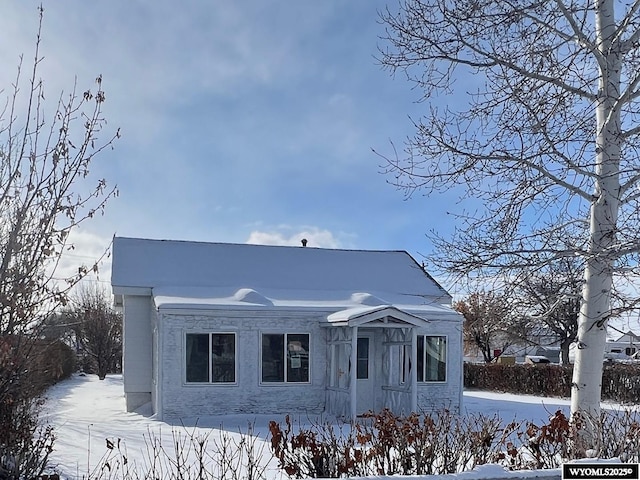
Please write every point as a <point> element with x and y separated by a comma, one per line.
<point>548,138</point>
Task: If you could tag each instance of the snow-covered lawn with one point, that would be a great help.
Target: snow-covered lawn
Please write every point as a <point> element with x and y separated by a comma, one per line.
<point>86,411</point>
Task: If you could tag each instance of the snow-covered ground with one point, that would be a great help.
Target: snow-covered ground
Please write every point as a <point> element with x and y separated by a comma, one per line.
<point>86,412</point>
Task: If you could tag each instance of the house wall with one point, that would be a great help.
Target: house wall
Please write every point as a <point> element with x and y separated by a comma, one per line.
<point>438,395</point>
<point>182,400</point>
<point>136,366</point>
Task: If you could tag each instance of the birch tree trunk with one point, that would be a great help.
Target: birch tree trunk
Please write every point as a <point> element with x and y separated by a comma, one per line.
<point>596,306</point>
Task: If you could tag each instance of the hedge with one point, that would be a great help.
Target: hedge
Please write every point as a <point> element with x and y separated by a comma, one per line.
<point>620,381</point>
<point>41,363</point>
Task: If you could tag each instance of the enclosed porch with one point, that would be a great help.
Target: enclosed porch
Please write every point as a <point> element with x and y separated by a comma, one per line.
<point>371,355</point>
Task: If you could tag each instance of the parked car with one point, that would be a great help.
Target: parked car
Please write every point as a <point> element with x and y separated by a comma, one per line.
<point>536,359</point>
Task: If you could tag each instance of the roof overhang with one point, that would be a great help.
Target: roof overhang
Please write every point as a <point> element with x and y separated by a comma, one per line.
<point>119,293</point>
<point>382,316</point>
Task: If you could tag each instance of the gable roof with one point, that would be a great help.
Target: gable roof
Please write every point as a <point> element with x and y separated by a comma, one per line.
<point>629,336</point>
<point>375,315</point>
<point>261,273</point>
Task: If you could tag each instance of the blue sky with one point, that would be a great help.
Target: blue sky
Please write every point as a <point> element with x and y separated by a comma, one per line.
<point>241,121</point>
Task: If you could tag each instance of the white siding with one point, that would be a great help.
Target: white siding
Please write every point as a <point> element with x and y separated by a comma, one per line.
<point>448,394</point>
<point>181,400</point>
<point>137,364</point>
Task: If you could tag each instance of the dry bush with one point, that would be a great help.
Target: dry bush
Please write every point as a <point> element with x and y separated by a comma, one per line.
<point>324,450</point>
<point>27,368</point>
<point>386,444</point>
<point>443,443</point>
<point>191,454</point>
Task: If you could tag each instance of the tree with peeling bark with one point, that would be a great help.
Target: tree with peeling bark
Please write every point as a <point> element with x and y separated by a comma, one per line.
<point>547,142</point>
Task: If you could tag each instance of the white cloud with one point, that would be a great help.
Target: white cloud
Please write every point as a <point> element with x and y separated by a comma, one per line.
<point>315,237</point>
<point>85,249</point>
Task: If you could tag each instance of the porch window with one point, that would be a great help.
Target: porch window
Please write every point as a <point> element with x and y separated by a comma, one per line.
<point>362,357</point>
<point>432,358</point>
<point>285,358</point>
<point>210,357</point>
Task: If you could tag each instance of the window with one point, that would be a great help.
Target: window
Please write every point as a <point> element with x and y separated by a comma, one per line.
<point>285,357</point>
<point>432,358</point>
<point>211,357</point>
<point>362,357</point>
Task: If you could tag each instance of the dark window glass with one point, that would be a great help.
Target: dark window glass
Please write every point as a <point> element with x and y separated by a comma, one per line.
<point>210,357</point>
<point>435,359</point>
<point>362,356</point>
<point>197,360</point>
<point>405,358</point>
<point>223,357</point>
<point>420,366</point>
<point>273,358</point>
<point>285,357</point>
<point>297,357</point>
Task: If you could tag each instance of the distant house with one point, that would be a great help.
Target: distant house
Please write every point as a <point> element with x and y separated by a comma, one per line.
<point>215,328</point>
<point>537,341</point>
<point>627,344</point>
<point>620,349</point>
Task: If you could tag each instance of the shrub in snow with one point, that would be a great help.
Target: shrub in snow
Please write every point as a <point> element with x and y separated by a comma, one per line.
<point>386,444</point>
<point>24,374</point>
<point>190,455</point>
<point>444,443</point>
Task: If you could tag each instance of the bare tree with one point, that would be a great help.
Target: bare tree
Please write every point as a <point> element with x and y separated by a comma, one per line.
<point>98,328</point>
<point>45,192</point>
<point>548,142</point>
<point>550,298</point>
<point>486,323</point>
<point>44,168</point>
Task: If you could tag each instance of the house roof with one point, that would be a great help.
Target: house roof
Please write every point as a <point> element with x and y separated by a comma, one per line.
<point>629,336</point>
<point>181,272</point>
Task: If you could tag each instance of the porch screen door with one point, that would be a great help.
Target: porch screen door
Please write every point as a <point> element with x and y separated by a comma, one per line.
<point>365,374</point>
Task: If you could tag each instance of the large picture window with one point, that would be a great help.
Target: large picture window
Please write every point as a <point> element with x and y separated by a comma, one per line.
<point>285,357</point>
<point>432,358</point>
<point>210,357</point>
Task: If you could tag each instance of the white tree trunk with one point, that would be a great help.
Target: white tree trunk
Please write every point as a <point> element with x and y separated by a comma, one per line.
<point>592,324</point>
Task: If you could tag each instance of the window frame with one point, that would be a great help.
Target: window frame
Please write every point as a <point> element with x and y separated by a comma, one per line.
<point>284,358</point>
<point>210,381</point>
<point>424,358</point>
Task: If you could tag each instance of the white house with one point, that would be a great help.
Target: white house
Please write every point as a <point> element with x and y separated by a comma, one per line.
<point>627,344</point>
<point>215,328</point>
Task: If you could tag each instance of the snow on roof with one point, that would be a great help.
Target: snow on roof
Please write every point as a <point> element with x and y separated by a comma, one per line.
<point>362,315</point>
<point>268,275</point>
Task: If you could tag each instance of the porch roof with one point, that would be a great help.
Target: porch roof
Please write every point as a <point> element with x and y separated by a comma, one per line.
<point>380,315</point>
